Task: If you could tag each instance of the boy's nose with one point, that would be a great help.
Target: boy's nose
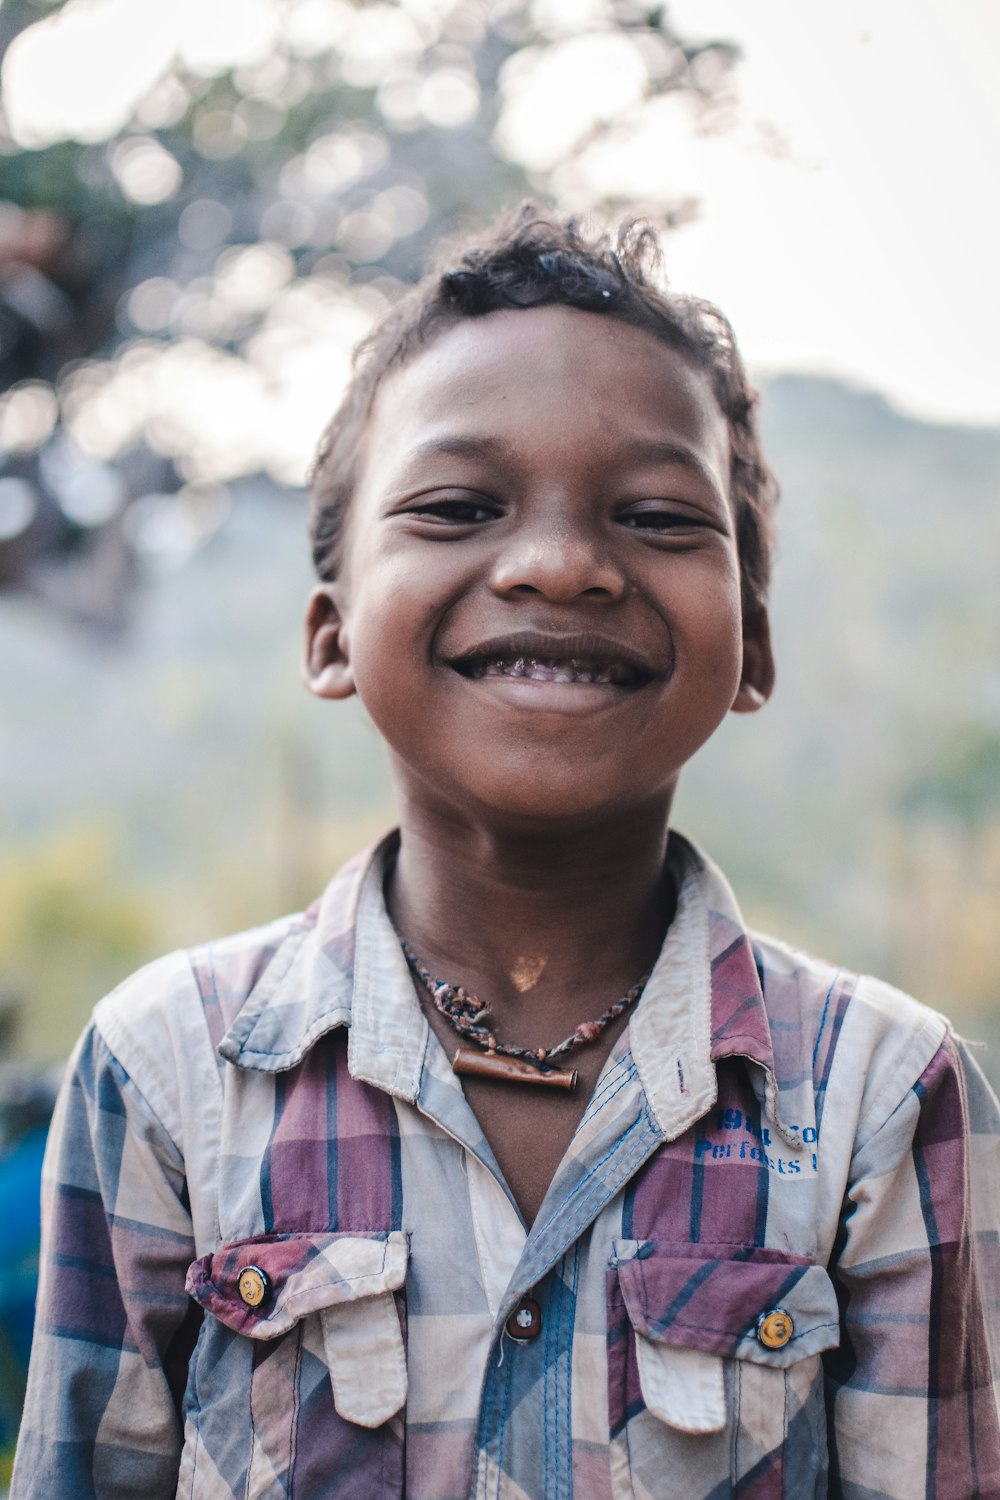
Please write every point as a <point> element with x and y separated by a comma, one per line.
<point>561,563</point>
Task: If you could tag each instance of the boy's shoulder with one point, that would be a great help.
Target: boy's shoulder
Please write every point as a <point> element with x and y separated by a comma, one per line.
<point>164,1023</point>
<point>864,1044</point>
<point>833,1032</point>
<point>808,1001</point>
<point>190,998</point>
<point>823,989</point>
<point>217,975</point>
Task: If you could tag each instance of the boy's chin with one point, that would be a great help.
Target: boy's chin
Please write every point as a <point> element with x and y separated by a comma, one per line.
<point>551,808</point>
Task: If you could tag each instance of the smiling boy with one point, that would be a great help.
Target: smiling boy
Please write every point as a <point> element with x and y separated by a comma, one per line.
<point>516,1166</point>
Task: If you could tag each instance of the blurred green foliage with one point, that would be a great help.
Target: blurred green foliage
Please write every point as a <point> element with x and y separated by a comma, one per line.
<point>65,913</point>
<point>961,784</point>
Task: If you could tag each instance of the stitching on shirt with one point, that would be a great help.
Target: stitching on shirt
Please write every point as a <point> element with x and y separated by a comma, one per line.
<point>612,1084</point>
<point>702,1327</point>
<point>553,1319</point>
<point>734,1453</point>
<point>822,1019</point>
<point>209,952</point>
<point>597,1105</point>
<point>293,1439</point>
<point>381,1472</point>
<point>743,1038</point>
<point>623,1143</point>
<point>888,1091</point>
<point>279,1237</point>
<point>784,1432</point>
<point>564,1450</point>
<point>502,1427</point>
<point>194,1459</point>
<point>254,1403</point>
<point>290,1303</point>
<point>553,1345</point>
<point>130,1089</point>
<point>271,979</point>
<point>384,1457</point>
<point>324,1023</point>
<point>480,1238</point>
<point>253,1433</point>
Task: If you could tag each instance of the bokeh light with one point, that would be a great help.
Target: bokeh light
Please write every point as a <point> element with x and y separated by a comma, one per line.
<point>28,414</point>
<point>18,506</point>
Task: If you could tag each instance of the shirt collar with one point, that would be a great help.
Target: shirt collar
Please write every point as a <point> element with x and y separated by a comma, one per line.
<point>703,1002</point>
<point>343,966</point>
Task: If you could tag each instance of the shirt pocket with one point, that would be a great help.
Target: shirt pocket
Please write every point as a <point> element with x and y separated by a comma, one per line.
<point>714,1370</point>
<point>311,1327</point>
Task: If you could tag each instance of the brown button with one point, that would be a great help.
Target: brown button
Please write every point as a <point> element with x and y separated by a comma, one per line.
<point>775,1328</point>
<point>525,1322</point>
<point>253,1285</point>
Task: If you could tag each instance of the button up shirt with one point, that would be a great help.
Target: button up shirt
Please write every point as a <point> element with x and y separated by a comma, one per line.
<point>280,1259</point>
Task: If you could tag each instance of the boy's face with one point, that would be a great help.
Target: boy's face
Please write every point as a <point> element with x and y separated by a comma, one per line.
<point>539,589</point>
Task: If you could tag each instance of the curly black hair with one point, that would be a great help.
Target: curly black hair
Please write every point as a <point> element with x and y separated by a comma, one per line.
<point>530,258</point>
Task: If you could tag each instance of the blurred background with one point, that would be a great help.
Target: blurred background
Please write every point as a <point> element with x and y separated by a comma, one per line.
<point>203,205</point>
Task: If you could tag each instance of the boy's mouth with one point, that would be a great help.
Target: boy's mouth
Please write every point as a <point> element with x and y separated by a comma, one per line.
<point>568,669</point>
<point>561,660</point>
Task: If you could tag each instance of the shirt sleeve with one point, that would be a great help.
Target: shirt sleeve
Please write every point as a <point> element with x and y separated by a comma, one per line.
<point>912,1389</point>
<point>114,1327</point>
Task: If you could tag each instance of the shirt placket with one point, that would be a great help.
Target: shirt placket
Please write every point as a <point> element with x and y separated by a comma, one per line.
<point>526,1410</point>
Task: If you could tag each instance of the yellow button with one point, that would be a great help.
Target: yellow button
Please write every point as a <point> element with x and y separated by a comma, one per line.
<point>774,1329</point>
<point>253,1285</point>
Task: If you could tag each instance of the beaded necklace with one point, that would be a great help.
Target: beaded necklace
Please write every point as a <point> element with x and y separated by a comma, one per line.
<point>468,1015</point>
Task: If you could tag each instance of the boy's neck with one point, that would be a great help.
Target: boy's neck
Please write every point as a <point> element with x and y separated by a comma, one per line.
<point>547,930</point>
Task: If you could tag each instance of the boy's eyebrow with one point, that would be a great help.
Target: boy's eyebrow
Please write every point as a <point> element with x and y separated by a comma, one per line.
<point>662,450</point>
<point>646,450</point>
<point>459,446</point>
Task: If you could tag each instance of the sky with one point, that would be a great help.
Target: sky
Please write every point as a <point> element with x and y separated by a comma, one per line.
<point>849,221</point>
<point>871,251</point>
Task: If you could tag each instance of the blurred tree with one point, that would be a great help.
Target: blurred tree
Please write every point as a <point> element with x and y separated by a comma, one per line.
<point>203,206</point>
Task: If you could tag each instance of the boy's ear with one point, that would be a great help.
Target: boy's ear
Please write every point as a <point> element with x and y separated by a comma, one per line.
<point>326,667</point>
<point>757,679</point>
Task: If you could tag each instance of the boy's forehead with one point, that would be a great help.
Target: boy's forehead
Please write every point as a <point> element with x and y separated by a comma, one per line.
<point>535,373</point>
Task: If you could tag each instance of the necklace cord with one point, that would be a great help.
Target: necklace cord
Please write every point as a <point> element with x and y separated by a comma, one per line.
<point>468,1016</point>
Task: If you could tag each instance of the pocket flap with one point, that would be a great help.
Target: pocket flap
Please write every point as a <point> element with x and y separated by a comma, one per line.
<point>302,1273</point>
<point>713,1301</point>
<point>683,1387</point>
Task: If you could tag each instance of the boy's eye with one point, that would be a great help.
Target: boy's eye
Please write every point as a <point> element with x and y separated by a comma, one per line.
<point>662,518</point>
<point>455,510</point>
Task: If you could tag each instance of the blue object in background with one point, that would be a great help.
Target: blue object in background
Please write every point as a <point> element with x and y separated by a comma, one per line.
<point>26,1107</point>
<point>20,1215</point>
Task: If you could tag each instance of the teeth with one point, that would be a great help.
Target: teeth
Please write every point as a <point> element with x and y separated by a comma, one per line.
<point>553,671</point>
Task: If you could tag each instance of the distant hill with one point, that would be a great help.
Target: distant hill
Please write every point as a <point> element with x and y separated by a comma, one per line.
<point>181,782</point>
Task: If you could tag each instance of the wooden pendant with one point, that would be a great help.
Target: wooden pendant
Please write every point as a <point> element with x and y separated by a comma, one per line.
<point>469,1064</point>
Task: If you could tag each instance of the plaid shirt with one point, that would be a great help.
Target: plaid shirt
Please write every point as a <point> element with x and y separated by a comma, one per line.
<point>769,1136</point>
